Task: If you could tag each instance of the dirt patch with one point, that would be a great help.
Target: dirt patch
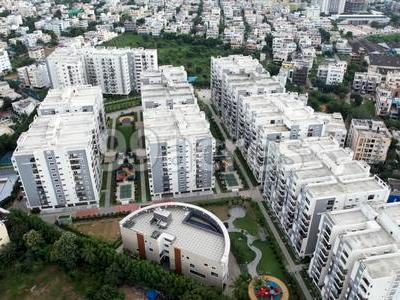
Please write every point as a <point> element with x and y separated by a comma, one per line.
<point>49,284</point>
<point>132,293</point>
<point>103,229</point>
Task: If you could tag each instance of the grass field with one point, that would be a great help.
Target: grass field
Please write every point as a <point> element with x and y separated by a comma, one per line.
<point>45,283</point>
<point>221,211</point>
<point>239,248</point>
<point>269,263</point>
<point>194,56</point>
<point>112,106</point>
<point>103,229</point>
<point>248,222</point>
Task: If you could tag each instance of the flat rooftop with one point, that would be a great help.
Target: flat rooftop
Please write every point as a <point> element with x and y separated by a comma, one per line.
<point>382,265</point>
<point>348,217</point>
<point>365,239</point>
<point>194,237</point>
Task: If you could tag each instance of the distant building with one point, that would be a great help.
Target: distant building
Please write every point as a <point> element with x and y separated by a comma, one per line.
<point>382,63</point>
<point>332,72</point>
<point>334,126</point>
<point>5,64</point>
<point>366,82</point>
<point>369,140</point>
<point>25,106</point>
<point>35,75</point>
<point>183,237</point>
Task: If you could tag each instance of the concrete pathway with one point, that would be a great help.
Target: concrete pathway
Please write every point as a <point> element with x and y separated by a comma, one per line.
<point>110,166</point>
<point>238,212</point>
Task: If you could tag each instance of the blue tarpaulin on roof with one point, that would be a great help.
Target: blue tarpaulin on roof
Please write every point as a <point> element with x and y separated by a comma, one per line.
<point>192,79</point>
<point>152,294</point>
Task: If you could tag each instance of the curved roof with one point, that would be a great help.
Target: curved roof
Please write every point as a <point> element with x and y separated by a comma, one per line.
<point>194,228</point>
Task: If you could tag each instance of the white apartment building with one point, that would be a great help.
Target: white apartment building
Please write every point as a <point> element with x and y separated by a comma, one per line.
<point>36,53</point>
<point>58,162</point>
<point>118,71</point>
<point>332,6</point>
<point>233,64</point>
<point>109,68</point>
<point>5,64</point>
<point>264,119</point>
<point>186,238</point>
<point>366,82</point>
<point>357,254</point>
<point>234,76</point>
<point>4,237</point>
<point>369,140</point>
<point>166,87</point>
<point>307,177</point>
<point>66,67</point>
<point>179,149</point>
<point>84,99</point>
<point>332,72</point>
<point>35,75</point>
<point>334,126</point>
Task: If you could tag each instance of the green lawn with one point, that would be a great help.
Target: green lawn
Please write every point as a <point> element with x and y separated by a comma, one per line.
<point>193,54</point>
<point>240,250</point>
<point>269,263</point>
<point>102,199</point>
<point>248,222</point>
<point>104,180</point>
<point>246,167</point>
<point>129,133</point>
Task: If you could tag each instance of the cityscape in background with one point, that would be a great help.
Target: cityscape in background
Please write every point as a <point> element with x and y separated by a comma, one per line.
<point>200,149</point>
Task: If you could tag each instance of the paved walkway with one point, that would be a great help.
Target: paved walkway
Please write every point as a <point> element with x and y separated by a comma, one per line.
<point>236,213</point>
<point>110,167</point>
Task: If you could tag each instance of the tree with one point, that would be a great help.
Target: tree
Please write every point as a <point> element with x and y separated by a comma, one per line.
<point>325,35</point>
<point>140,22</point>
<point>33,240</point>
<point>106,292</point>
<point>65,250</point>
<point>349,35</point>
<point>241,286</point>
<point>58,14</point>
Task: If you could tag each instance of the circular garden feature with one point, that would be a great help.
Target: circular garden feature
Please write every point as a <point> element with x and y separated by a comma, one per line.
<point>266,287</point>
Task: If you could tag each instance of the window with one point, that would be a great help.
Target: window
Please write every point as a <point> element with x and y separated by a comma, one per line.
<point>197,273</point>
<point>214,274</point>
<point>192,265</point>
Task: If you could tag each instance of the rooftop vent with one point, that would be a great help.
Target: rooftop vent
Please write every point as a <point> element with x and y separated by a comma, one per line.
<point>161,217</point>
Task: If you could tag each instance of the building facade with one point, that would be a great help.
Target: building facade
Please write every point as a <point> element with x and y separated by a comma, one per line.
<point>66,67</point>
<point>357,254</point>
<point>35,75</point>
<point>58,162</point>
<point>5,64</point>
<point>180,151</point>
<point>188,239</point>
<point>307,177</point>
<point>332,72</point>
<point>369,139</point>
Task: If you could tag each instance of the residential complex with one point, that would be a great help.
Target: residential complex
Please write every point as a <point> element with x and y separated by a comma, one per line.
<point>357,254</point>
<point>183,237</point>
<point>307,177</point>
<point>369,139</point>
<point>366,82</point>
<point>334,126</point>
<point>166,87</point>
<point>180,151</point>
<point>58,162</point>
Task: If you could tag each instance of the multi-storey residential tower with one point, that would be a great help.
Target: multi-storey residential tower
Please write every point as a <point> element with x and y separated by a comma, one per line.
<point>35,75</point>
<point>84,99</point>
<point>307,177</point>
<point>66,67</point>
<point>58,162</point>
<point>166,87</point>
<point>357,255</point>
<point>179,148</point>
